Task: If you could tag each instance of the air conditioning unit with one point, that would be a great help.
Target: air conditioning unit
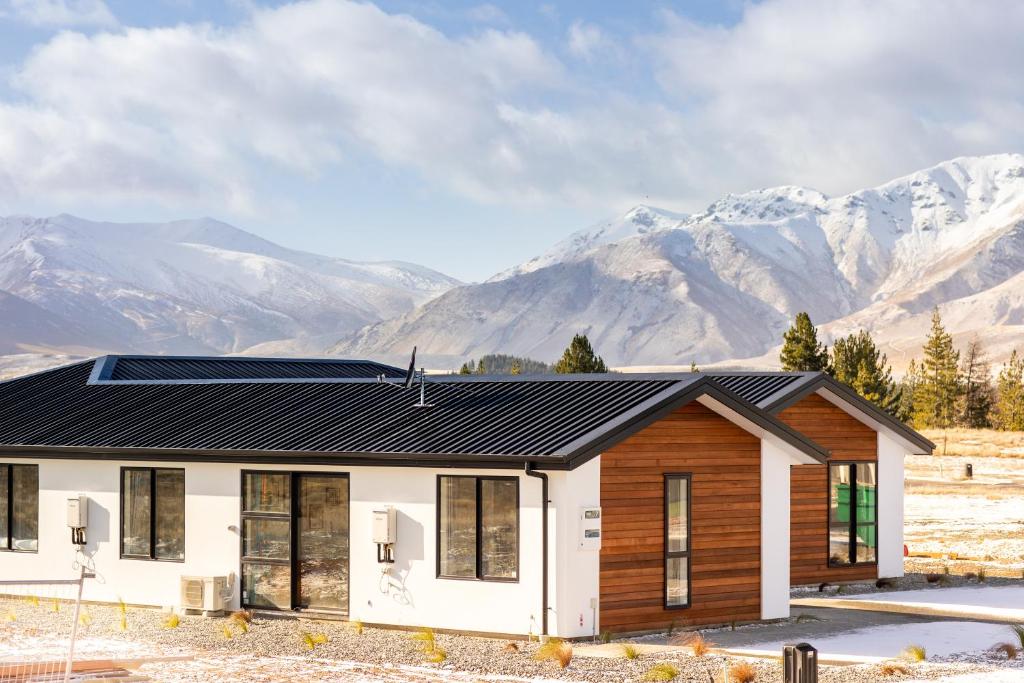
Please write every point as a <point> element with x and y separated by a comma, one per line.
<point>206,594</point>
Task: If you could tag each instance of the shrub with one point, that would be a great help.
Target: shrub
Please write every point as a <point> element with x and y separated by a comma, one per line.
<point>697,643</point>
<point>172,620</point>
<point>556,650</point>
<point>892,669</point>
<point>914,653</point>
<point>630,651</point>
<point>744,672</point>
<point>1009,649</point>
<point>884,583</point>
<point>1018,630</point>
<point>932,577</point>
<point>241,619</point>
<point>311,640</point>
<point>662,671</point>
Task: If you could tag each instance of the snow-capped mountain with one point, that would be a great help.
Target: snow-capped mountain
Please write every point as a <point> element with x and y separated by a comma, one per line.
<point>194,286</point>
<point>656,288</point>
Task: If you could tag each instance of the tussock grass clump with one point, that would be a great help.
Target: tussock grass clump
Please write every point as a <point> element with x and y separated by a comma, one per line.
<point>555,650</point>
<point>425,636</point>
<point>697,643</point>
<point>510,648</point>
<point>312,640</point>
<point>436,656</point>
<point>606,636</point>
<point>804,618</point>
<point>11,615</point>
<point>933,578</point>
<point>981,574</point>
<point>663,671</point>
<point>1018,630</point>
<point>744,672</point>
<point>227,632</point>
<point>33,600</point>
<point>914,653</point>
<point>122,609</point>
<point>884,583</point>
<point>172,620</point>
<point>241,619</point>
<point>823,585</point>
<point>357,626</point>
<point>630,651</point>
<point>892,669</point>
<point>55,603</point>
<point>84,618</point>
<point>1009,649</point>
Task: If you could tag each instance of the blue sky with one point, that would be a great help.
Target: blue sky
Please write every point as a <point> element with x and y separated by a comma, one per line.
<point>470,136</point>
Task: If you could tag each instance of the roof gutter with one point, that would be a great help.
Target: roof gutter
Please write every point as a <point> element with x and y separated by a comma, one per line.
<point>544,545</point>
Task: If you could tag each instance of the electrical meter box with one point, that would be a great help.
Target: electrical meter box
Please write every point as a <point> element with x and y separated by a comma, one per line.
<point>78,512</point>
<point>590,528</point>
<point>385,526</point>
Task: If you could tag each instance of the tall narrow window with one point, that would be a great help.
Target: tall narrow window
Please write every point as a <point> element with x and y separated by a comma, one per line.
<point>677,540</point>
<point>478,528</point>
<point>153,513</point>
<point>19,508</point>
<point>853,513</point>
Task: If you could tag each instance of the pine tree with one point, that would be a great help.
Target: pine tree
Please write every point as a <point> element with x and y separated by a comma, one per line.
<point>693,366</point>
<point>516,368</point>
<point>467,368</point>
<point>580,357</point>
<point>976,404</point>
<point>938,390</point>
<point>801,350</point>
<point>1009,412</point>
<point>857,363</point>
<point>481,369</point>
<point>907,389</point>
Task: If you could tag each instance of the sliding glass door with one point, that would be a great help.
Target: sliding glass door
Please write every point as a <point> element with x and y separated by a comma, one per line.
<point>295,541</point>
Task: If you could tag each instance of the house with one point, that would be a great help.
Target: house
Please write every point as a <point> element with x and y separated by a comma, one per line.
<point>560,505</point>
<point>847,514</point>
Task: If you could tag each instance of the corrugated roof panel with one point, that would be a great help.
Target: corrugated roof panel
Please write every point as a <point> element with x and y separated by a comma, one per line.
<point>756,387</point>
<point>178,368</point>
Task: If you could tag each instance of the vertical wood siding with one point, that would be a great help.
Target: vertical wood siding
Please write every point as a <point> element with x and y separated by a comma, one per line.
<point>848,439</point>
<point>725,550</point>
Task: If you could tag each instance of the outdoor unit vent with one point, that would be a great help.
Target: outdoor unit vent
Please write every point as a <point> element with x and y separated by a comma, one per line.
<point>205,593</point>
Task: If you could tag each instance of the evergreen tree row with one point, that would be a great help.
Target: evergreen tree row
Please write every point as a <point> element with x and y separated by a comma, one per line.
<point>579,357</point>
<point>945,389</point>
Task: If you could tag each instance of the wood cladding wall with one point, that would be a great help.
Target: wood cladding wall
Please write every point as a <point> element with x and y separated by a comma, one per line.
<point>848,439</point>
<point>725,544</point>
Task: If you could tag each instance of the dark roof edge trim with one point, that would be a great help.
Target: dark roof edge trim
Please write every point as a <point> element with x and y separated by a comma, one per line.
<point>662,404</point>
<point>847,394</point>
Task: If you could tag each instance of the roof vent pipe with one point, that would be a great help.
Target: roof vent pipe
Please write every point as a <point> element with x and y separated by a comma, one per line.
<point>530,472</point>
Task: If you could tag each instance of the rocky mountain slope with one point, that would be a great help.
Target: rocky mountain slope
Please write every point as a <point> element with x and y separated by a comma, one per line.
<point>69,285</point>
<point>658,288</point>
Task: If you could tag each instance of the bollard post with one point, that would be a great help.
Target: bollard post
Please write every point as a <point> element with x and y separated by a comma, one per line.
<point>800,663</point>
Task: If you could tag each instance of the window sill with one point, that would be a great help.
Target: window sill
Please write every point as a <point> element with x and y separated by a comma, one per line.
<point>475,579</point>
<point>152,559</point>
<point>18,550</point>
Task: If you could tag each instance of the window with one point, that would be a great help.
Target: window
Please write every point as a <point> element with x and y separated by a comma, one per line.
<point>853,513</point>
<point>677,540</point>
<point>478,528</point>
<point>19,508</point>
<point>153,513</point>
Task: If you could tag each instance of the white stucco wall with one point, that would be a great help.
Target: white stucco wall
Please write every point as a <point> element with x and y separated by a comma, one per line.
<point>775,481</point>
<point>890,506</point>
<point>410,595</point>
<point>575,573</point>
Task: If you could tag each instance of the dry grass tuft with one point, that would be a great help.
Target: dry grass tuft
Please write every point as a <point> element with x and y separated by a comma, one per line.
<point>172,620</point>
<point>426,638</point>
<point>663,671</point>
<point>630,651</point>
<point>122,608</point>
<point>357,626</point>
<point>436,655</point>
<point>84,618</point>
<point>606,636</point>
<point>744,672</point>
<point>977,442</point>
<point>1018,630</point>
<point>914,653</point>
<point>1009,649</point>
<point>511,648</point>
<point>892,669</point>
<point>311,640</point>
<point>241,620</point>
<point>227,632</point>
<point>556,650</point>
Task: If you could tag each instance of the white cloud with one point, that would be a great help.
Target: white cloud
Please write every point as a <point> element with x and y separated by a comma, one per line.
<point>835,95</point>
<point>62,13</point>
<point>584,40</point>
<point>487,14</point>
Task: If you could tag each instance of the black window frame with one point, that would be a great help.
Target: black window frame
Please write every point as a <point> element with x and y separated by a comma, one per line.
<point>151,557</point>
<point>688,478</point>
<point>852,526</point>
<point>479,537</point>
<point>7,543</point>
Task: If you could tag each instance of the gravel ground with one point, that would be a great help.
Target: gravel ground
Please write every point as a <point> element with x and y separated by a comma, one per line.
<point>276,650</point>
<point>911,581</point>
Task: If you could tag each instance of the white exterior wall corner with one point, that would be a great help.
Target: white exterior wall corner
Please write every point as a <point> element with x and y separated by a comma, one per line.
<point>574,574</point>
<point>775,518</point>
<point>890,506</point>
<point>409,595</point>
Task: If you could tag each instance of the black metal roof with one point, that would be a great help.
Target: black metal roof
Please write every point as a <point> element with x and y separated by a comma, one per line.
<point>555,421</point>
<point>214,368</point>
<point>776,391</point>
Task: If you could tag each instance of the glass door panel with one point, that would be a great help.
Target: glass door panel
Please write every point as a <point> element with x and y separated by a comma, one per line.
<point>322,542</point>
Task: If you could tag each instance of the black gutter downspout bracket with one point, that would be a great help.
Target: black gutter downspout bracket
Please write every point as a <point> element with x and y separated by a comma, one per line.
<point>544,545</point>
